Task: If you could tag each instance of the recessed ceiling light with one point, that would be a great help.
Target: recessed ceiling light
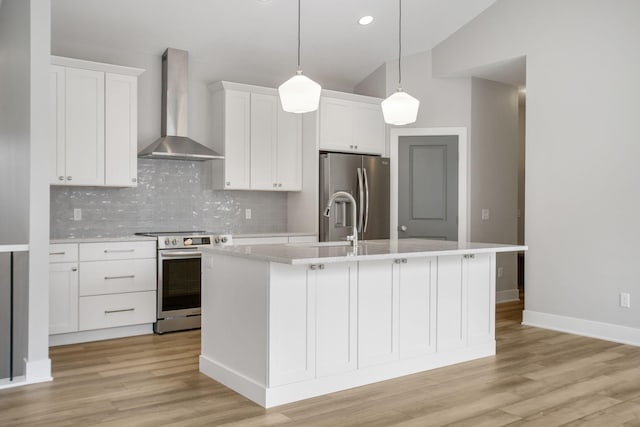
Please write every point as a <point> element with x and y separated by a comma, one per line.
<point>365,20</point>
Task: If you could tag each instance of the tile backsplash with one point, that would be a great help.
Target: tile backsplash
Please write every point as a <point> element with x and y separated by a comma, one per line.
<point>171,195</point>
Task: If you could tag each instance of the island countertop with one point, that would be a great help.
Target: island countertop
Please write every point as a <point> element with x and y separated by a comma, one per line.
<point>330,252</point>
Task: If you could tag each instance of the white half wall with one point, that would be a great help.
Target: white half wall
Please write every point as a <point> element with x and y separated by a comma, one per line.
<point>582,147</point>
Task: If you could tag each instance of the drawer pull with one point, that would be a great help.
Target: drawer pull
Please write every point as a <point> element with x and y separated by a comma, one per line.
<point>400,261</point>
<point>130,276</point>
<point>118,311</point>
<point>316,266</point>
<point>57,253</point>
<point>106,251</point>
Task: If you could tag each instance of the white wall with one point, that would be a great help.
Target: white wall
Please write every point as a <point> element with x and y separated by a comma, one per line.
<point>14,122</point>
<point>375,84</point>
<point>494,173</point>
<point>24,123</point>
<point>582,152</point>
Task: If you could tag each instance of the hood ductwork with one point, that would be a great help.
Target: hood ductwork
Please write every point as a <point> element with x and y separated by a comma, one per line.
<point>174,143</point>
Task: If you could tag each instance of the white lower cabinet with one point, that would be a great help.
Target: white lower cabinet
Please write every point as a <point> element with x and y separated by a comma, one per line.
<point>63,288</point>
<point>101,285</point>
<point>465,301</point>
<point>312,321</point>
<point>110,311</point>
<point>336,318</point>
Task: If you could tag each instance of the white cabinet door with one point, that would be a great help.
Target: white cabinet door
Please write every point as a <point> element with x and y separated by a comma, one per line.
<point>121,130</point>
<point>478,273</point>
<point>417,278</point>
<point>56,119</point>
<point>63,297</point>
<point>84,127</point>
<point>336,318</point>
<point>288,157</point>
<point>237,140</point>
<point>452,304</point>
<point>264,140</point>
<point>378,312</point>
<point>291,324</point>
<point>368,128</point>
<point>336,125</point>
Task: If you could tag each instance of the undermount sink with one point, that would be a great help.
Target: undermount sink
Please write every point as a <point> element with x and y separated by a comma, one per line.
<point>319,244</point>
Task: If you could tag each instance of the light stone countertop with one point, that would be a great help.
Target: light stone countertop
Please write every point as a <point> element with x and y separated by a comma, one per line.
<point>282,234</point>
<point>129,238</point>
<point>14,248</point>
<point>329,252</point>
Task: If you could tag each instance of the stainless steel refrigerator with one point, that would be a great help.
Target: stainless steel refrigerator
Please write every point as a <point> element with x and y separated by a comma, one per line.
<point>366,178</point>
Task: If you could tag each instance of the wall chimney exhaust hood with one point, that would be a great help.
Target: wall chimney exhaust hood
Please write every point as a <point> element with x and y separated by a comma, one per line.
<point>174,143</point>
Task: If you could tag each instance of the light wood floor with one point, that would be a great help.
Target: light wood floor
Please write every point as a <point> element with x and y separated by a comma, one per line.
<point>538,377</point>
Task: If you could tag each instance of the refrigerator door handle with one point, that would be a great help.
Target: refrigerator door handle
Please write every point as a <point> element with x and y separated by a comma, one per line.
<point>366,197</point>
<point>361,201</point>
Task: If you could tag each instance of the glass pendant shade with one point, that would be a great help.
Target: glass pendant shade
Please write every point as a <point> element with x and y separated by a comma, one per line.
<point>400,108</point>
<point>299,94</point>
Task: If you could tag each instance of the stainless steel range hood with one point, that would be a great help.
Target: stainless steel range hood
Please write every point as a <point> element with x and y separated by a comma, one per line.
<point>174,143</point>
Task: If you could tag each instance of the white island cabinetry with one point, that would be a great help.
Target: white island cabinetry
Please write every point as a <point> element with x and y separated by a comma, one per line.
<point>285,322</point>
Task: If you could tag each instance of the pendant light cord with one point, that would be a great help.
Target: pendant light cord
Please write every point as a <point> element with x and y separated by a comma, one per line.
<point>399,45</point>
<point>298,35</point>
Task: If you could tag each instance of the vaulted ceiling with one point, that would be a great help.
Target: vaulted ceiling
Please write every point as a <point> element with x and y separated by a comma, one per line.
<point>258,38</point>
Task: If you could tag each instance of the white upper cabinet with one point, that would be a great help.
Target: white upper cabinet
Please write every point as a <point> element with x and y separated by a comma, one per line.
<point>232,138</point>
<point>121,130</point>
<point>261,143</point>
<point>351,126</point>
<point>94,116</point>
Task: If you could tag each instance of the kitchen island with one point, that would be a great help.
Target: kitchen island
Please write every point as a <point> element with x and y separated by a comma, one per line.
<point>281,323</point>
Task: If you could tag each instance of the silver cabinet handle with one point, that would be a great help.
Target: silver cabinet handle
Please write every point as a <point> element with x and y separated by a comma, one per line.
<point>130,276</point>
<point>69,178</point>
<point>106,251</point>
<point>403,228</point>
<point>119,311</point>
<point>279,184</point>
<point>316,267</point>
<point>400,261</point>
<point>470,256</point>
<point>57,253</point>
<point>61,178</point>
<point>74,268</point>
<point>228,183</point>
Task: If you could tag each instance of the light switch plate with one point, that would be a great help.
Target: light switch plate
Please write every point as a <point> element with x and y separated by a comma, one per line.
<point>247,213</point>
<point>485,214</point>
<point>77,214</point>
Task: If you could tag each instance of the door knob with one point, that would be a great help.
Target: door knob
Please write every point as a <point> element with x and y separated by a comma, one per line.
<point>403,228</point>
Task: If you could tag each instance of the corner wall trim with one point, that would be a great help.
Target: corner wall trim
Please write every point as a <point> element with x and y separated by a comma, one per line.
<point>589,328</point>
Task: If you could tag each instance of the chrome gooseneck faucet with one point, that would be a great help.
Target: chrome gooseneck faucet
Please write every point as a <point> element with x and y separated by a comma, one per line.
<point>354,237</point>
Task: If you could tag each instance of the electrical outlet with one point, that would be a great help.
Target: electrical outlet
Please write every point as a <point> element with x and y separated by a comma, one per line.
<point>485,214</point>
<point>625,300</point>
<point>77,214</point>
<point>500,271</point>
<point>247,213</point>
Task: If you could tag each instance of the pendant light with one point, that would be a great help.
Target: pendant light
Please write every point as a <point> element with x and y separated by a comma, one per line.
<point>299,94</point>
<point>400,108</point>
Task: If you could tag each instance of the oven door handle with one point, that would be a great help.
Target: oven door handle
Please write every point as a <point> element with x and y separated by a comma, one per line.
<point>188,254</point>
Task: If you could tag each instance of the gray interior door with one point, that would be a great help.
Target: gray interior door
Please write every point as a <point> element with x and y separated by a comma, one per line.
<point>428,187</point>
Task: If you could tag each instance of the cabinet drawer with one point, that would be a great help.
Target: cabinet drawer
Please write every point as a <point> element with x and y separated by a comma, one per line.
<point>112,277</point>
<point>63,252</point>
<point>117,250</point>
<point>109,311</point>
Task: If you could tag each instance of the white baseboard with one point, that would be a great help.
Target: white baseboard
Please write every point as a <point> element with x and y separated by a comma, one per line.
<point>100,334</point>
<point>38,371</point>
<point>508,295</point>
<point>588,328</point>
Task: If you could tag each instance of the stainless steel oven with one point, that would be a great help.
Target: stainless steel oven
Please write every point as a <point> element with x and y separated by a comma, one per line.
<point>179,278</point>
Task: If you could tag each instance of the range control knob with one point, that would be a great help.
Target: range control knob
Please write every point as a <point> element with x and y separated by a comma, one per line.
<point>174,242</point>
<point>216,240</point>
<point>223,239</point>
<point>167,241</point>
